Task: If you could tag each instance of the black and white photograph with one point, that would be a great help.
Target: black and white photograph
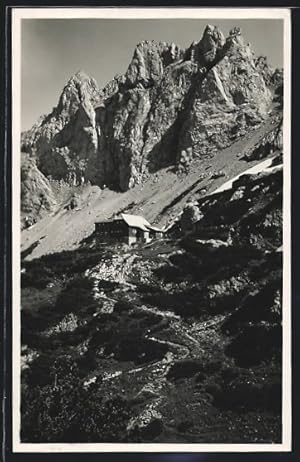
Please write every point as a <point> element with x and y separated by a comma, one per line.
<point>151,230</point>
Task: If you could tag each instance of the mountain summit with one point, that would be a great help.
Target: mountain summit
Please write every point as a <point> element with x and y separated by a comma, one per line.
<point>170,102</point>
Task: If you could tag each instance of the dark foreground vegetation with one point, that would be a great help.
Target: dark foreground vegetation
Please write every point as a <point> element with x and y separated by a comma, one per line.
<point>177,341</point>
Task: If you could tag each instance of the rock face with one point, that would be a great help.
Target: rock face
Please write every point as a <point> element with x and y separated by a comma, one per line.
<point>37,197</point>
<point>168,101</point>
<point>65,141</point>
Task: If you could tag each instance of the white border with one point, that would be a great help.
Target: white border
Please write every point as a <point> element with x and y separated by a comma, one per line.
<point>139,13</point>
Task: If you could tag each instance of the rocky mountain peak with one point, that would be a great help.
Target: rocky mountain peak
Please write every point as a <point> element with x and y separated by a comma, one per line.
<point>273,77</point>
<point>235,35</point>
<point>149,61</point>
<point>205,51</point>
<point>79,88</point>
<point>168,102</point>
<point>80,76</point>
<point>211,41</point>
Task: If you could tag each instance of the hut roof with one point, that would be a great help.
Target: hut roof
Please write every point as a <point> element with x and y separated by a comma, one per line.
<point>135,221</point>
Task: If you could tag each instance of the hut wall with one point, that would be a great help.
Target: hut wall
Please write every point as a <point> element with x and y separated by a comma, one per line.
<point>116,230</point>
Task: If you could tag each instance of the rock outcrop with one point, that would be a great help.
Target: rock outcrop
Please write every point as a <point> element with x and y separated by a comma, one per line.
<point>168,101</point>
<point>37,196</point>
<point>65,142</point>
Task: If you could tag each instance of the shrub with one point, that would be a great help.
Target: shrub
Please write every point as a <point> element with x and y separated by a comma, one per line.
<point>76,296</point>
<point>66,263</point>
<point>39,373</point>
<point>107,285</point>
<point>65,411</point>
<point>122,306</point>
<point>139,350</point>
<point>246,389</point>
<point>191,214</point>
<point>105,421</point>
<point>255,344</point>
<point>184,369</point>
<point>36,277</point>
<point>264,305</point>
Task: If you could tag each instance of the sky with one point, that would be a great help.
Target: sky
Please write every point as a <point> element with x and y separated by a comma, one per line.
<point>52,50</point>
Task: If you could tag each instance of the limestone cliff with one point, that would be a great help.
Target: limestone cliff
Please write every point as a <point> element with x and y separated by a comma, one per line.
<point>66,140</point>
<point>169,100</point>
<point>37,196</point>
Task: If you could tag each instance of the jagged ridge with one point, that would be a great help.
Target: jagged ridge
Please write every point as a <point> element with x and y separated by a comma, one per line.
<point>169,101</point>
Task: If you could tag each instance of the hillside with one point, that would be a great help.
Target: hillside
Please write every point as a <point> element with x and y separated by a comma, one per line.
<point>177,340</point>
